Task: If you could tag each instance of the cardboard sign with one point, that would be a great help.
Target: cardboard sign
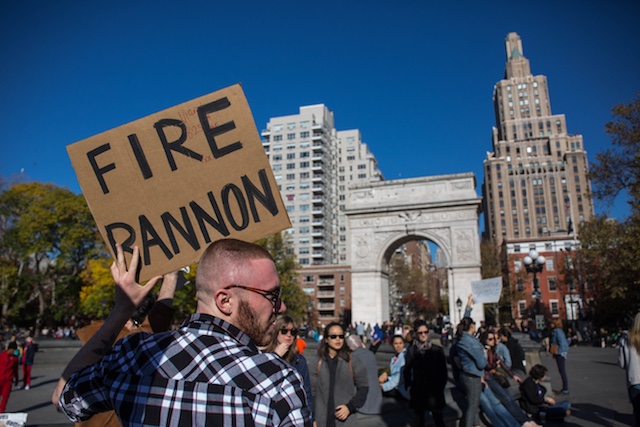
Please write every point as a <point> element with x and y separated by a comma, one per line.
<point>487,290</point>
<point>175,181</point>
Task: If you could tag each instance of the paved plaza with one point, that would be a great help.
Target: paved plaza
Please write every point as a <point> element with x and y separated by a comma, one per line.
<point>598,388</point>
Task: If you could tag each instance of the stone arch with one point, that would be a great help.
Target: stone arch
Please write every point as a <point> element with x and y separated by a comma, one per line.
<point>443,209</point>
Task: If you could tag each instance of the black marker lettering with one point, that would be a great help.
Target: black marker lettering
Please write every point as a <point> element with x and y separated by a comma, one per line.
<point>211,133</point>
<point>100,171</point>
<point>174,145</point>
<point>126,245</point>
<point>187,231</point>
<point>140,157</point>
<point>146,229</point>
<point>266,199</point>
<point>242,204</point>
<point>202,216</point>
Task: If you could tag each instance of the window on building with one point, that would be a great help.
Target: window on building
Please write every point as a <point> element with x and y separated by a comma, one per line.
<point>552,284</point>
<point>550,266</point>
<point>291,136</point>
<point>522,308</point>
<point>517,265</point>
<point>555,308</point>
<point>520,285</point>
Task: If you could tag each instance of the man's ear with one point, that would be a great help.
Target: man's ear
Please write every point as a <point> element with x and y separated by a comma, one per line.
<point>223,301</point>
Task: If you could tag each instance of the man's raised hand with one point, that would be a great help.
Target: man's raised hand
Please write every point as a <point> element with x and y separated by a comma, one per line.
<point>129,294</point>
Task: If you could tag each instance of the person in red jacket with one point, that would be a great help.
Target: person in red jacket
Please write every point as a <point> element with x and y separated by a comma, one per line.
<point>8,365</point>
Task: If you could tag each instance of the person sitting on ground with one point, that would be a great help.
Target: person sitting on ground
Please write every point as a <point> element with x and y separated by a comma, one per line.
<point>392,384</point>
<point>516,352</point>
<point>495,377</point>
<point>534,400</point>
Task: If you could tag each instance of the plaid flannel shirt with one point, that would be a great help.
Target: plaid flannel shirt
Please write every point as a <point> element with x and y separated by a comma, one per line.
<point>206,373</point>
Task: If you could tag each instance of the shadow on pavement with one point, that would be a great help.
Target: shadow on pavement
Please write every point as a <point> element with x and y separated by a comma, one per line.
<point>593,413</point>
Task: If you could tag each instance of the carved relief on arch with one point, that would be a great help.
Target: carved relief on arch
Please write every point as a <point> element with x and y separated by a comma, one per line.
<point>464,245</point>
<point>443,239</point>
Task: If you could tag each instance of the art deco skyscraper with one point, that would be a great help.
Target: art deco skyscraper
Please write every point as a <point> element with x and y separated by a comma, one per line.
<point>535,180</point>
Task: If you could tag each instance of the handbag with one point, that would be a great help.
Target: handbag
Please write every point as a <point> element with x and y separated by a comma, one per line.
<point>553,349</point>
<point>502,380</point>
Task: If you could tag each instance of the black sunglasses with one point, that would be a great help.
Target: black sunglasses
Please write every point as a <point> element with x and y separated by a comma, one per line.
<point>293,331</point>
<point>272,296</point>
<point>333,337</point>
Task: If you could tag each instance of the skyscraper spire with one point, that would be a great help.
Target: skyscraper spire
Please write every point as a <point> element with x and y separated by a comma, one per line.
<point>517,65</point>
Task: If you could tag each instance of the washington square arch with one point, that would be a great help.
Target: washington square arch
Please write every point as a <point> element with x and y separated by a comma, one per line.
<point>383,215</point>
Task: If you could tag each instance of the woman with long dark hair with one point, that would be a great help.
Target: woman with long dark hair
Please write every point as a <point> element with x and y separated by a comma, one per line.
<point>283,342</point>
<point>342,384</point>
<point>496,381</point>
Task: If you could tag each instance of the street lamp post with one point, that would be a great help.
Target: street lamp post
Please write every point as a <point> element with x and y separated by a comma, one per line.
<point>459,305</point>
<point>534,263</point>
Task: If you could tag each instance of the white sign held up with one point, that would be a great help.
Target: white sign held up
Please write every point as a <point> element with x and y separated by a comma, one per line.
<point>487,290</point>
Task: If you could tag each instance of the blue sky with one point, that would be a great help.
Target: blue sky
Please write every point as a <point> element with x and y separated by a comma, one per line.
<point>416,77</point>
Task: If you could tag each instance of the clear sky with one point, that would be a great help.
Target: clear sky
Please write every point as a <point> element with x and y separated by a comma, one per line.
<point>415,76</point>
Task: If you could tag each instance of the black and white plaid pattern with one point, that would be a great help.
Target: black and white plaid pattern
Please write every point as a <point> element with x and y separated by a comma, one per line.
<point>206,373</point>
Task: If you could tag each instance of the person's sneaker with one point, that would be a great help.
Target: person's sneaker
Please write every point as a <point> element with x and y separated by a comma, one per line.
<point>27,388</point>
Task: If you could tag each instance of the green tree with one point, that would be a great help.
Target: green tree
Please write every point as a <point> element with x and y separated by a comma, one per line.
<point>286,265</point>
<point>47,236</point>
<point>608,258</point>
<point>618,168</point>
<point>609,268</point>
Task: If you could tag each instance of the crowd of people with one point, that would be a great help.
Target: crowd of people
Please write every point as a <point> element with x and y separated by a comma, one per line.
<point>238,360</point>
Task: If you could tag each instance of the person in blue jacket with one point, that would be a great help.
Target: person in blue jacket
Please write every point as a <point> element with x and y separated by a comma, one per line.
<point>560,339</point>
<point>472,361</point>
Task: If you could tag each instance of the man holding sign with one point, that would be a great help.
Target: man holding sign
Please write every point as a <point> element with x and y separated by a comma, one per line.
<point>171,184</point>
<point>210,371</point>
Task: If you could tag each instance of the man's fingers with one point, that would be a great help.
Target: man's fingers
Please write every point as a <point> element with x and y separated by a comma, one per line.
<point>133,268</point>
<point>152,282</point>
<point>120,256</point>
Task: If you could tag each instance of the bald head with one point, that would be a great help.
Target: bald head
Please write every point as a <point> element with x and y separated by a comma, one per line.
<point>224,263</point>
<point>354,342</point>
